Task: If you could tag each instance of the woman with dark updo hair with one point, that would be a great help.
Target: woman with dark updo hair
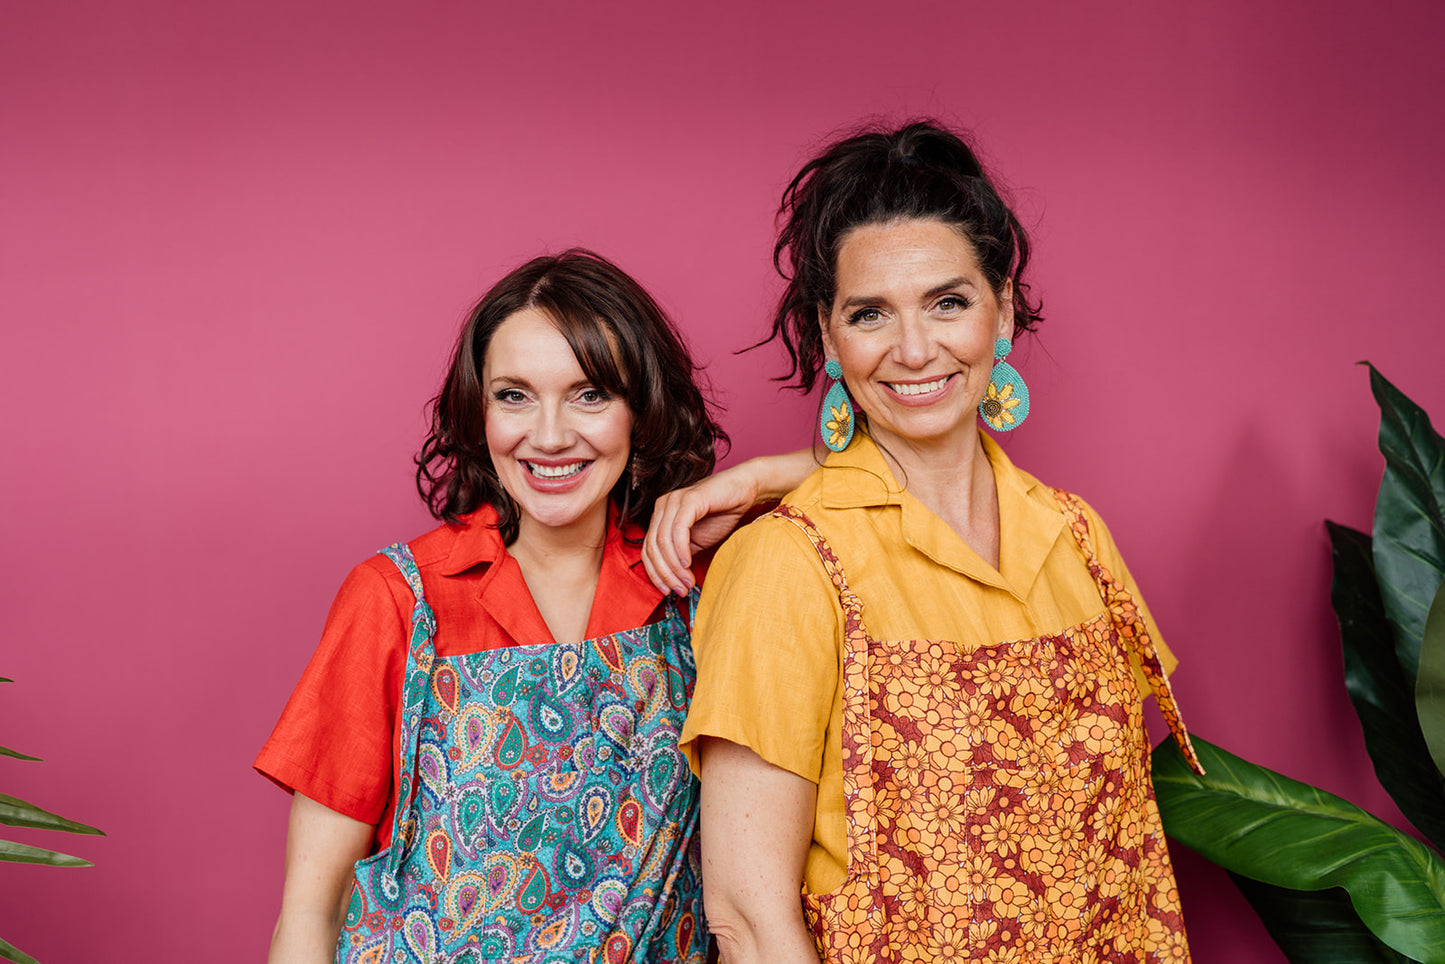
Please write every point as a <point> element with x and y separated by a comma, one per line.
<point>921,678</point>
<point>483,751</point>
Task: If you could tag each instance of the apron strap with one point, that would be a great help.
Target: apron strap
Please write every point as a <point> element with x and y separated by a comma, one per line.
<point>1130,625</point>
<point>857,735</point>
<point>420,654</point>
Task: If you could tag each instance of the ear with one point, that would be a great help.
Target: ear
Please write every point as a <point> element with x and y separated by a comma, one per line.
<point>1006,310</point>
<point>830,353</point>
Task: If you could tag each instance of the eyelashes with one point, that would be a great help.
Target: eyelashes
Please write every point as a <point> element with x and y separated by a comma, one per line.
<point>947,306</point>
<point>588,397</point>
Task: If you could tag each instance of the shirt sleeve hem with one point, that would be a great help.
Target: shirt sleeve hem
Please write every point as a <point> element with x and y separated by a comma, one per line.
<point>744,734</point>
<point>296,778</point>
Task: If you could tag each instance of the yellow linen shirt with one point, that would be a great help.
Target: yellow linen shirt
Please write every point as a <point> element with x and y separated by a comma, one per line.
<point>769,629</point>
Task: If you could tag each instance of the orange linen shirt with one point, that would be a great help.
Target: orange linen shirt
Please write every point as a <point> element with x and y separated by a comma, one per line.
<point>769,630</point>
<point>337,738</point>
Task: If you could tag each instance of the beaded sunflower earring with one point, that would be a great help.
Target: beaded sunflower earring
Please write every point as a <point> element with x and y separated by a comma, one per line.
<point>836,422</point>
<point>1005,404</point>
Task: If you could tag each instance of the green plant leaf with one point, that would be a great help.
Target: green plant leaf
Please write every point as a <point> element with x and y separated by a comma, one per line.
<point>1383,698</point>
<point>18,813</point>
<point>1430,685</point>
<point>6,751</point>
<point>10,952</point>
<point>1316,926</point>
<point>10,850</point>
<point>1409,518</point>
<point>1263,825</point>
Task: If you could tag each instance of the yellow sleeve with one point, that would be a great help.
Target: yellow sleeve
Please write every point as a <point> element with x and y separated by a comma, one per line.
<point>767,638</point>
<point>1111,559</point>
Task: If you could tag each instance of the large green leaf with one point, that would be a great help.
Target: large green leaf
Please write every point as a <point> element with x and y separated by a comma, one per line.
<point>1384,699</point>
<point>1263,825</point>
<point>1409,518</point>
<point>10,850</point>
<point>1430,686</point>
<point>1316,926</point>
<point>18,813</point>
<point>10,952</point>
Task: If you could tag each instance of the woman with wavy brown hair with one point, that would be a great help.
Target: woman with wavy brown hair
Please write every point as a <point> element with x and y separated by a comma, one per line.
<point>483,750</point>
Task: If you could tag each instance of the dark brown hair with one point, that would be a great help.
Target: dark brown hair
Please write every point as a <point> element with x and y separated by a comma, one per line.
<point>626,346</point>
<point>921,170</point>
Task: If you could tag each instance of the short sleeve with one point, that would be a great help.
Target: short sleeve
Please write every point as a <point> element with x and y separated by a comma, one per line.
<point>768,643</point>
<point>1111,559</point>
<point>334,741</point>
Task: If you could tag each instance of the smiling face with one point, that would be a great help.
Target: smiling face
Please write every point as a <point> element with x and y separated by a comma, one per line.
<point>558,443</point>
<point>913,325</point>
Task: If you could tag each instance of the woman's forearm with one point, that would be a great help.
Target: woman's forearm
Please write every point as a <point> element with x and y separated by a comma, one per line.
<point>757,825</point>
<point>777,475</point>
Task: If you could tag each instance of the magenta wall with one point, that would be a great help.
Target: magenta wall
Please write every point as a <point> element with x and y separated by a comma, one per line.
<point>237,239</point>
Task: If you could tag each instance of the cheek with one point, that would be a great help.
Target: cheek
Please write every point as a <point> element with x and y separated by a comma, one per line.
<point>857,355</point>
<point>618,433</point>
<point>501,433</point>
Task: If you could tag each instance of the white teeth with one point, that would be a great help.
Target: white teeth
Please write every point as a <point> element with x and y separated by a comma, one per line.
<point>555,471</point>
<point>921,389</point>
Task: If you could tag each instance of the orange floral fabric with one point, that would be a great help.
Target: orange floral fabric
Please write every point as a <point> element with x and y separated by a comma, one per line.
<point>998,802</point>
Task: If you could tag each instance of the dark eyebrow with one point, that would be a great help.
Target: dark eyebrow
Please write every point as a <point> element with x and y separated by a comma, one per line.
<point>948,285</point>
<point>934,292</point>
<point>512,380</point>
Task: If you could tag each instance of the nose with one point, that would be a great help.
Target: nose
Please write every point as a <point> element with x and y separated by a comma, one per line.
<point>552,431</point>
<point>915,347</point>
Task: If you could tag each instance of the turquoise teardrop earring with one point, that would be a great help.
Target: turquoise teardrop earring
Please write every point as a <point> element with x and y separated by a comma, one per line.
<point>836,422</point>
<point>1005,404</point>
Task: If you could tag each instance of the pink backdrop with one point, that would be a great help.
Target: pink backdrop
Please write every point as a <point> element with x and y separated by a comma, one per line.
<point>237,240</point>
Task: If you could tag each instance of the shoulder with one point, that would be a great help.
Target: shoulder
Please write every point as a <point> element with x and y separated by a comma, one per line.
<point>810,491</point>
<point>766,549</point>
<point>1084,518</point>
<point>448,548</point>
<point>766,578</point>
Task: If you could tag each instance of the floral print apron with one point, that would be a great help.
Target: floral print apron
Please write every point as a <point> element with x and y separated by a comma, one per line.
<point>998,802</point>
<point>544,811</point>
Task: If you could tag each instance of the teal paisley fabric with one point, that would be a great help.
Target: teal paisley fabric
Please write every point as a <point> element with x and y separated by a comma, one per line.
<point>544,812</point>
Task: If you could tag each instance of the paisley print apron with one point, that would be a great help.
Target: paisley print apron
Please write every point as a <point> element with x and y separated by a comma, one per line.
<point>544,812</point>
<point>998,802</point>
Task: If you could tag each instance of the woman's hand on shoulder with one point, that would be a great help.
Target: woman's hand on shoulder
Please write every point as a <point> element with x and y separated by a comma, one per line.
<point>689,520</point>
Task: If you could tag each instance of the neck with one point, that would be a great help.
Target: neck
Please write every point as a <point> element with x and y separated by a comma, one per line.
<point>561,566</point>
<point>953,479</point>
<point>934,470</point>
<point>540,547</point>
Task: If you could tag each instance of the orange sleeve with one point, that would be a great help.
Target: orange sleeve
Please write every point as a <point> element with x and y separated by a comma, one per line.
<point>335,739</point>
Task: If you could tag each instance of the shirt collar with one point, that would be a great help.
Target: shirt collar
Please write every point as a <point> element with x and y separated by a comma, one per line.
<point>1029,518</point>
<point>625,597</point>
<point>859,477</point>
<point>477,541</point>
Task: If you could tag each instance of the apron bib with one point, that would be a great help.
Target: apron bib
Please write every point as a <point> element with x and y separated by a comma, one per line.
<point>544,812</point>
<point>998,802</point>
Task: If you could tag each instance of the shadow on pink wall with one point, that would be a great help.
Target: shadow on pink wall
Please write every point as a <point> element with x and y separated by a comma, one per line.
<point>238,241</point>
